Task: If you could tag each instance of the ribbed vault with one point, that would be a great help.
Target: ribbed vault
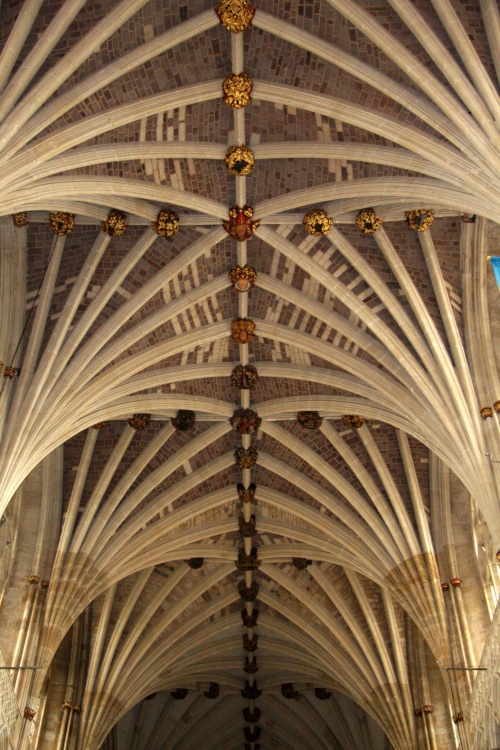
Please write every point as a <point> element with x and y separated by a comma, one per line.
<point>169,560</point>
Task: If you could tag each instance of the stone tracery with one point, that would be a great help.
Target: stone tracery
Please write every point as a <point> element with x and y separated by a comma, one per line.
<point>375,354</point>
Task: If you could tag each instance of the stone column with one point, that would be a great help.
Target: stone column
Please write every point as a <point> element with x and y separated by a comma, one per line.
<point>13,244</point>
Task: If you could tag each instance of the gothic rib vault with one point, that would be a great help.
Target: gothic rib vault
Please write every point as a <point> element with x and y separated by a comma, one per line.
<point>174,520</point>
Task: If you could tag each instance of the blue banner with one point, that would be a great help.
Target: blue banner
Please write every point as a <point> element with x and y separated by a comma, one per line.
<point>495,263</point>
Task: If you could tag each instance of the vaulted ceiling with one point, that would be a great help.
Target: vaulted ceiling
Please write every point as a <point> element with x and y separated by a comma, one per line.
<point>119,106</point>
